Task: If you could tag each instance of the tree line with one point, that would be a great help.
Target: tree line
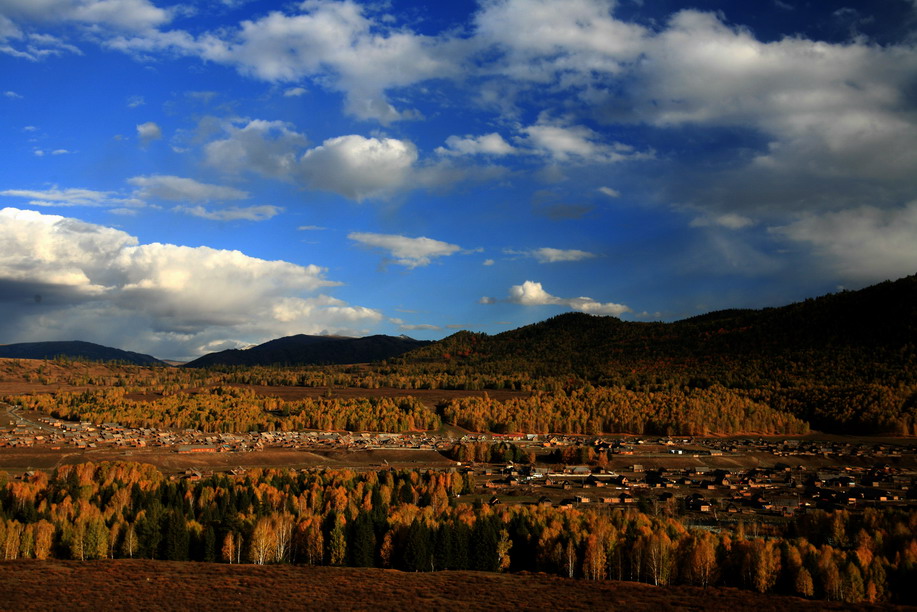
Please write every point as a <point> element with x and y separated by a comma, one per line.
<point>420,521</point>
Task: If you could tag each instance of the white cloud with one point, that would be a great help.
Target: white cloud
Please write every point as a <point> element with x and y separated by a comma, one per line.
<point>531,293</point>
<point>100,284</point>
<point>294,92</point>
<point>577,143</point>
<point>864,244</point>
<point>48,249</point>
<point>727,220</point>
<point>830,109</point>
<point>611,193</point>
<point>180,189</point>
<point>12,95</point>
<point>233,213</point>
<point>410,252</point>
<point>354,166</point>
<point>541,41</point>
<point>148,132</point>
<point>549,255</point>
<point>332,42</point>
<point>267,147</point>
<point>488,144</point>
<point>121,14</point>
<point>358,167</point>
<point>31,46</point>
<point>135,101</point>
<point>64,197</point>
<point>418,327</point>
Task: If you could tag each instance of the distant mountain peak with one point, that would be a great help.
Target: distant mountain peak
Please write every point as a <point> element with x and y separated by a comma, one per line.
<point>303,349</point>
<point>75,349</point>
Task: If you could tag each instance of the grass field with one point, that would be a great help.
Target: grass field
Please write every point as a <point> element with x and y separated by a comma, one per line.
<point>162,585</point>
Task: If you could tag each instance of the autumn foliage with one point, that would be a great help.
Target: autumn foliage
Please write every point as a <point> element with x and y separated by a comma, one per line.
<point>416,521</point>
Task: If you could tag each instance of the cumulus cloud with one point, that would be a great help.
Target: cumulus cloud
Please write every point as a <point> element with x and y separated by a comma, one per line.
<point>122,14</point>
<point>168,300</point>
<point>834,111</point>
<point>180,189</point>
<point>540,40</point>
<point>864,244</point>
<point>267,147</point>
<point>148,132</point>
<point>577,143</point>
<point>334,42</point>
<point>488,144</point>
<point>531,293</point>
<point>358,167</point>
<point>409,252</point>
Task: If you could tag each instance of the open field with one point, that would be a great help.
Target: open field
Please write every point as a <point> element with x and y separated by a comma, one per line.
<point>162,585</point>
<point>16,460</point>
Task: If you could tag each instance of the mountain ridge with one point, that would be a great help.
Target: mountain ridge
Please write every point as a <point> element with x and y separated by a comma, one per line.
<point>302,349</point>
<point>880,318</point>
<point>75,349</point>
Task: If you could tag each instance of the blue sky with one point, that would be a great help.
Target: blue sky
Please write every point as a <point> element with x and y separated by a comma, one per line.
<point>179,178</point>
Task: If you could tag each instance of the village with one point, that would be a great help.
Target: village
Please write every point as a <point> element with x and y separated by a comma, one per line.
<point>712,479</point>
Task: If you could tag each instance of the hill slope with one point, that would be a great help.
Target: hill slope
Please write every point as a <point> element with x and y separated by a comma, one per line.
<point>176,585</point>
<point>876,325</point>
<point>312,350</point>
<point>844,362</point>
<point>75,350</point>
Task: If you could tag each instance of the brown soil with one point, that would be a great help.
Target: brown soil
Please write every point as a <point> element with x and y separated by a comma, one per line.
<point>17,460</point>
<point>162,585</point>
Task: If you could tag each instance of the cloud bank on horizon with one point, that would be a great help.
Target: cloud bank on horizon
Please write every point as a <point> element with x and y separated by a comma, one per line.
<point>185,178</point>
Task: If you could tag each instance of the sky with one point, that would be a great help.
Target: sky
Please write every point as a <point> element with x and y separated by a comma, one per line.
<point>178,178</point>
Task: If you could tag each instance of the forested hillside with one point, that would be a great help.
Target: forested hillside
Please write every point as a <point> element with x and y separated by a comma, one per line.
<point>74,349</point>
<point>312,350</point>
<point>842,362</point>
<point>871,332</point>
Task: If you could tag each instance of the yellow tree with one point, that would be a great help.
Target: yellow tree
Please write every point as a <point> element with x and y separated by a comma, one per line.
<point>262,541</point>
<point>701,559</point>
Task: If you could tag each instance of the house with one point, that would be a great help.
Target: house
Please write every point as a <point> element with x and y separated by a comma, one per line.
<point>195,448</point>
<point>697,503</point>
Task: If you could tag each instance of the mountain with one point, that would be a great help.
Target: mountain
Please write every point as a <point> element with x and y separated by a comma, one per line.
<point>844,362</point>
<point>872,331</point>
<point>75,350</point>
<point>312,350</point>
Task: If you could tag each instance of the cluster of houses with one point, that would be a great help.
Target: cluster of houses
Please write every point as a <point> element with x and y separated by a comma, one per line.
<point>56,433</point>
<point>785,489</point>
<point>780,490</point>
